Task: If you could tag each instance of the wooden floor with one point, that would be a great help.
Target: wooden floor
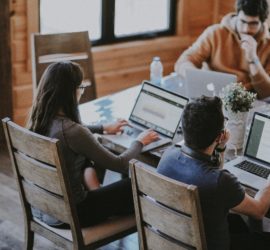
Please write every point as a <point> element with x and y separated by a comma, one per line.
<point>11,218</point>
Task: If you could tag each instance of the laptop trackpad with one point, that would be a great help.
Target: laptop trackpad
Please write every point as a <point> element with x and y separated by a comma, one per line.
<point>132,131</point>
<point>125,141</point>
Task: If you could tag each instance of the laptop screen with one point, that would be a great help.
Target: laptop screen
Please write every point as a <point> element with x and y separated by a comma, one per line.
<point>258,144</point>
<point>158,109</point>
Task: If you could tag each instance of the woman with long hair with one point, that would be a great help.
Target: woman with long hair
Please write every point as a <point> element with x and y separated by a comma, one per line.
<point>55,114</point>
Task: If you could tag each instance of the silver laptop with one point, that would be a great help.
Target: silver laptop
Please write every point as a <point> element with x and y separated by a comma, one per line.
<point>205,82</point>
<point>253,168</point>
<point>154,108</point>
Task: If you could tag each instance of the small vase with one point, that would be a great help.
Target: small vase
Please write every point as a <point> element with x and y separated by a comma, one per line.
<point>237,127</point>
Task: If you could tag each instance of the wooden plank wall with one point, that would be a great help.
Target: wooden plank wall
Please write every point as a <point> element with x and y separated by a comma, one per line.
<point>116,66</point>
<point>5,64</point>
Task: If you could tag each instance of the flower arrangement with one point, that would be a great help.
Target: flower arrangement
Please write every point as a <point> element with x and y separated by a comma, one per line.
<point>236,98</point>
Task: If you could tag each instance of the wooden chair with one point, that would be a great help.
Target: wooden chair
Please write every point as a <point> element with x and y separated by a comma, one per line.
<point>168,212</point>
<point>75,46</point>
<point>43,183</point>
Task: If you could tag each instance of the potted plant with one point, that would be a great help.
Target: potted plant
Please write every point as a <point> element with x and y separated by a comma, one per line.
<point>237,102</point>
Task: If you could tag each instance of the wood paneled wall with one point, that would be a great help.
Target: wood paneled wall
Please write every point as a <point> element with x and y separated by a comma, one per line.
<point>5,64</point>
<point>116,66</point>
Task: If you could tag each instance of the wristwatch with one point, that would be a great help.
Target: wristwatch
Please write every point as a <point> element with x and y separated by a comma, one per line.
<point>221,150</point>
<point>255,61</point>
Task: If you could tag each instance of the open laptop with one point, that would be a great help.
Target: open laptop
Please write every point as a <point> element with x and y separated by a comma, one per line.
<point>205,82</point>
<point>253,168</point>
<point>154,108</point>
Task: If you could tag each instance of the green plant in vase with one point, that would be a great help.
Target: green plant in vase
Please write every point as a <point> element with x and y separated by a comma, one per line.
<point>237,102</point>
<point>236,98</point>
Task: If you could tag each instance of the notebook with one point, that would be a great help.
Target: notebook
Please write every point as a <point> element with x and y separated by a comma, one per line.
<point>154,108</point>
<point>253,168</point>
<point>204,82</point>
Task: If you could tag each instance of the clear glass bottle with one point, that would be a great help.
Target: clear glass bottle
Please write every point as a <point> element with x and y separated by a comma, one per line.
<point>156,71</point>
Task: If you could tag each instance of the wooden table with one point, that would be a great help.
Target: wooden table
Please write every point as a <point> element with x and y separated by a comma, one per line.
<point>119,105</point>
<point>108,108</point>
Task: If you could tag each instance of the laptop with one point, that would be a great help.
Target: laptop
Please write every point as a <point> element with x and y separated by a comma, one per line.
<point>253,168</point>
<point>154,108</point>
<point>205,82</point>
<point>175,83</point>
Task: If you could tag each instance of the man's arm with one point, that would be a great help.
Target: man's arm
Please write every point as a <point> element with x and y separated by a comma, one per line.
<point>256,207</point>
<point>260,78</point>
<point>198,53</point>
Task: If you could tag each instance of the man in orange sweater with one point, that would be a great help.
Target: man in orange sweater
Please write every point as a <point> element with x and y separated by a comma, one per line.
<point>239,45</point>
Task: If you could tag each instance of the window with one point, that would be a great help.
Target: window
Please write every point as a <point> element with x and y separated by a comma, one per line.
<point>138,17</point>
<point>109,21</point>
<point>71,15</point>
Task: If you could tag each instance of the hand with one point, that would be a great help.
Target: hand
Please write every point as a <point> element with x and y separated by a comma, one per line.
<point>115,127</point>
<point>249,45</point>
<point>147,137</point>
<point>224,137</point>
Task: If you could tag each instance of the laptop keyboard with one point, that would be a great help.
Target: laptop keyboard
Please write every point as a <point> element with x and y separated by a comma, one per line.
<point>254,169</point>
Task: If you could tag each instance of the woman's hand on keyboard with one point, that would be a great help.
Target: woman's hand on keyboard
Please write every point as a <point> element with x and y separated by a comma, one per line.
<point>115,127</point>
<point>147,137</point>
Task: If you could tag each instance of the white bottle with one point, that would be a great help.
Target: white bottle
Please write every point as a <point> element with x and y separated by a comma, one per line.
<point>156,71</point>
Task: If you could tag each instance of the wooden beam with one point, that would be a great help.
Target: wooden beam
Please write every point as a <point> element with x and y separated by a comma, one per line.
<point>5,64</point>
<point>32,11</point>
<point>182,18</point>
<point>216,11</point>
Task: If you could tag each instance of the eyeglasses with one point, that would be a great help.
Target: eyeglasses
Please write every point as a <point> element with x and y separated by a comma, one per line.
<point>226,119</point>
<point>84,85</point>
<point>251,24</point>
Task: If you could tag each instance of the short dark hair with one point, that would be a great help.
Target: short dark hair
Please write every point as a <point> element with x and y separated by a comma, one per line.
<point>202,122</point>
<point>253,8</point>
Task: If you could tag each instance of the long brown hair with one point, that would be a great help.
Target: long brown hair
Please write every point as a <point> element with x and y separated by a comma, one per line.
<point>56,91</point>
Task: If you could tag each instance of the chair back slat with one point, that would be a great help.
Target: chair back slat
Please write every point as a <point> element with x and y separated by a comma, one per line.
<point>64,43</point>
<point>167,211</point>
<point>38,147</point>
<point>47,202</point>
<point>38,173</point>
<point>172,223</point>
<point>158,242</point>
<point>147,183</point>
<point>62,56</point>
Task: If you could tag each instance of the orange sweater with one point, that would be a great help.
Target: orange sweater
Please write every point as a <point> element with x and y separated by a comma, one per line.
<point>219,46</point>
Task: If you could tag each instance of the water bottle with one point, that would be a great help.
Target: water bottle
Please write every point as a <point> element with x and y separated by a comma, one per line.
<point>156,71</point>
